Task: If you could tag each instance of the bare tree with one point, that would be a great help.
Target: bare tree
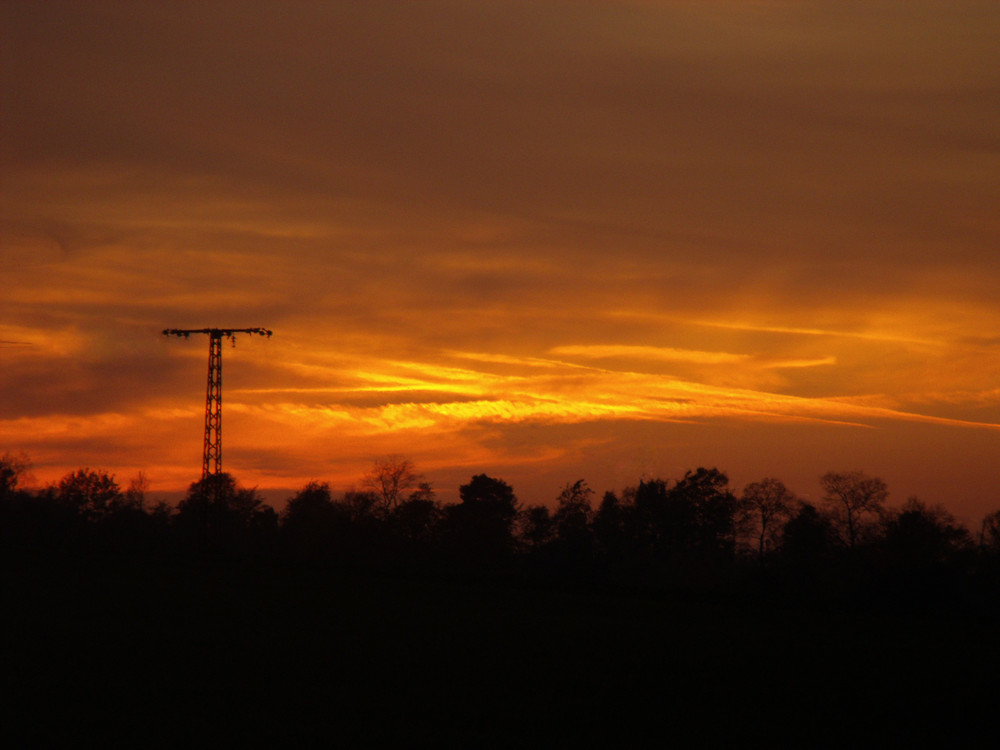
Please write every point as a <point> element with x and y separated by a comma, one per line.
<point>763,507</point>
<point>853,497</point>
<point>390,478</point>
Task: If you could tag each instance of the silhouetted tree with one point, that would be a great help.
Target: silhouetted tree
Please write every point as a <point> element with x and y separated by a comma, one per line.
<point>609,526</point>
<point>217,507</point>
<point>15,470</point>
<point>807,538</point>
<point>91,493</point>
<point>853,498</point>
<point>920,536</point>
<point>127,528</point>
<point>989,532</point>
<point>681,533</point>
<point>663,523</point>
<point>417,518</point>
<point>31,519</point>
<point>362,507</point>
<point>361,539</point>
<point>309,520</point>
<point>424,491</point>
<point>491,496</point>
<point>765,506</point>
<point>479,528</point>
<point>573,513</point>
<point>707,491</point>
<point>573,547</point>
<point>135,495</point>
<point>535,526</point>
<point>390,478</point>
<point>162,511</point>
<point>310,506</point>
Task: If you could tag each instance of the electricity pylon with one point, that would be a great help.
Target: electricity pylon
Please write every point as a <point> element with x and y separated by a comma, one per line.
<point>211,462</point>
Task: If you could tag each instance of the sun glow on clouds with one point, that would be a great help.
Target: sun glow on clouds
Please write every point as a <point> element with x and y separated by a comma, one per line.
<point>665,354</point>
<point>446,397</point>
<point>448,416</point>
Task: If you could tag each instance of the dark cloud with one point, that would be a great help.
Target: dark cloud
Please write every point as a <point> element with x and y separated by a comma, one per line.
<point>82,384</point>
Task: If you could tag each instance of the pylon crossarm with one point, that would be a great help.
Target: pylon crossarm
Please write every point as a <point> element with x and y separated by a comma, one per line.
<point>216,332</point>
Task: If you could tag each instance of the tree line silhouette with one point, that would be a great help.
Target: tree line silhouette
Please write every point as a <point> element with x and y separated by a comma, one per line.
<point>691,534</point>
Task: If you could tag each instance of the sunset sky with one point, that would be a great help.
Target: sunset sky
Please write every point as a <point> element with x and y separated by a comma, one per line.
<point>541,240</point>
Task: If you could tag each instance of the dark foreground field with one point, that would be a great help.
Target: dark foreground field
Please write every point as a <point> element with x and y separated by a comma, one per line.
<point>170,654</point>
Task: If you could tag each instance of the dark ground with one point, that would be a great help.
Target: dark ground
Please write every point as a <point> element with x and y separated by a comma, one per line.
<point>180,654</point>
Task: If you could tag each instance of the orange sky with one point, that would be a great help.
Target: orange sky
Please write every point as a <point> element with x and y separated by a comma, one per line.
<point>542,240</point>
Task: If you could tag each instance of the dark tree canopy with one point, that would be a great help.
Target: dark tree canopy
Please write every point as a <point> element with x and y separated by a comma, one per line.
<point>310,519</point>
<point>313,504</point>
<point>91,493</point>
<point>694,516</point>
<point>480,527</point>
<point>662,534</point>
<point>919,535</point>
<point>536,526</point>
<point>417,518</point>
<point>807,537</point>
<point>573,513</point>
<point>217,504</point>
<point>490,494</point>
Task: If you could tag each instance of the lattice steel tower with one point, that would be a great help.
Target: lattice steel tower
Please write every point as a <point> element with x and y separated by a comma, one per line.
<point>212,458</point>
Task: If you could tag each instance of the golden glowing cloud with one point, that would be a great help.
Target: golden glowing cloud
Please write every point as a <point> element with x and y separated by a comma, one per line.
<point>666,354</point>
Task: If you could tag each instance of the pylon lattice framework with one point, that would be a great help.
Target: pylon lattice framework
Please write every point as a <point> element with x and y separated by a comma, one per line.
<point>211,462</point>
